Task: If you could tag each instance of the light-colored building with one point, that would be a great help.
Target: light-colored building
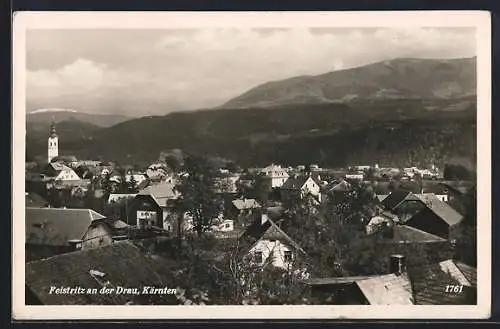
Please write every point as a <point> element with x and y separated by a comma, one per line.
<point>53,144</point>
<point>276,174</point>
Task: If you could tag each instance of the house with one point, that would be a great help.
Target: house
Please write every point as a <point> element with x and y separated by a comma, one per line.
<point>263,242</point>
<point>441,191</point>
<point>227,184</point>
<point>276,174</point>
<point>393,288</point>
<point>60,172</point>
<point>300,187</point>
<point>403,203</point>
<point>225,225</point>
<point>144,212</point>
<point>137,178</point>
<point>103,232</point>
<point>436,217</point>
<point>157,171</point>
<point>117,197</point>
<point>241,208</point>
<point>51,231</point>
<point>424,285</point>
<point>162,193</point>
<point>355,176</point>
<point>65,159</point>
<point>382,220</point>
<point>121,264</point>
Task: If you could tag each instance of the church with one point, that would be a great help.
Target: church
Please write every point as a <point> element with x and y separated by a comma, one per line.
<point>53,147</point>
<point>56,168</point>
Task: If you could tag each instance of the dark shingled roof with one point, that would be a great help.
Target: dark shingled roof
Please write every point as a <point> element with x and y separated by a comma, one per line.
<point>408,234</point>
<point>123,264</point>
<point>56,226</point>
<point>394,199</point>
<point>469,272</point>
<point>429,284</point>
<point>464,274</point>
<point>295,183</point>
<point>440,208</point>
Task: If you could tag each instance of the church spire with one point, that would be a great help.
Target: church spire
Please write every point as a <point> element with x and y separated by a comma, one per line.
<point>53,132</point>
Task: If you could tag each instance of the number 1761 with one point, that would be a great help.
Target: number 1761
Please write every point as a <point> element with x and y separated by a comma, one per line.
<point>454,288</point>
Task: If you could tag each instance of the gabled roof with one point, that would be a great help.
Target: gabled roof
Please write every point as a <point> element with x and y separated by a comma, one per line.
<point>114,226</point>
<point>57,166</point>
<point>388,289</point>
<point>381,197</point>
<point>120,264</point>
<point>463,273</point>
<point>297,183</point>
<point>65,158</point>
<point>341,185</point>
<point>440,208</point>
<point>56,226</point>
<point>266,231</point>
<point>394,199</point>
<point>242,204</point>
<point>161,192</point>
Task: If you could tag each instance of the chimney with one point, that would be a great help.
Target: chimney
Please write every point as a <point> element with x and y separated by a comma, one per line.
<point>75,244</point>
<point>397,264</point>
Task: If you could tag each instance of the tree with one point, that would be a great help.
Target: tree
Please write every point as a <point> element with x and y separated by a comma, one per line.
<point>123,186</point>
<point>456,172</point>
<point>198,193</point>
<point>261,189</point>
<point>466,244</point>
<point>173,162</point>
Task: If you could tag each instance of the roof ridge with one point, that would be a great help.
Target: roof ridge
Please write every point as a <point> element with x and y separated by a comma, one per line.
<point>53,208</point>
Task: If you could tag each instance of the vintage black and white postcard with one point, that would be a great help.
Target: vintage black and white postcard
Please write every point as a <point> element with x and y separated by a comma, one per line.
<point>245,165</point>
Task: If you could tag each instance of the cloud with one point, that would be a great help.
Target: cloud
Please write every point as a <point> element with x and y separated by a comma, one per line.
<point>157,71</point>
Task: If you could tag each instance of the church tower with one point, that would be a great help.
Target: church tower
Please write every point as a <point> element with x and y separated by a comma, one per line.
<point>53,146</point>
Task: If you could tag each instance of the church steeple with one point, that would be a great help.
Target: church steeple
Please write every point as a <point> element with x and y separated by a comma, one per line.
<point>53,132</point>
<point>53,144</point>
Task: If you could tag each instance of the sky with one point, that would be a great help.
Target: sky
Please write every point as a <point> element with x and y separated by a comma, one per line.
<point>142,72</point>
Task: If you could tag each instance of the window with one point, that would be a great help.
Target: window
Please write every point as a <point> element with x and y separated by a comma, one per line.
<point>257,257</point>
<point>288,256</point>
<point>226,226</point>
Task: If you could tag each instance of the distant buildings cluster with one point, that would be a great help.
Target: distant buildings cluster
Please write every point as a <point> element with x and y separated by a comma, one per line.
<point>406,209</point>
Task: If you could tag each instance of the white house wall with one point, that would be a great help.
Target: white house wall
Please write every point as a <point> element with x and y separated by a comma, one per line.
<point>277,248</point>
<point>67,174</point>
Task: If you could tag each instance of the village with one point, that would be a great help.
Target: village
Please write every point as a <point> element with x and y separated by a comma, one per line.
<point>221,234</point>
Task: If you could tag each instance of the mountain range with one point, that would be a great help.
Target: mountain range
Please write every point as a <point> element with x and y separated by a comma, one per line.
<point>42,116</point>
<point>401,78</point>
<point>400,111</point>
